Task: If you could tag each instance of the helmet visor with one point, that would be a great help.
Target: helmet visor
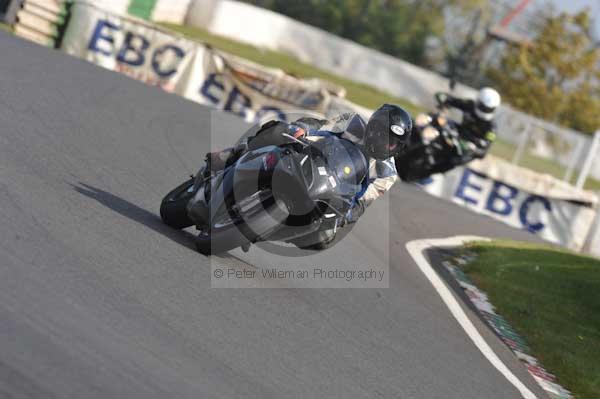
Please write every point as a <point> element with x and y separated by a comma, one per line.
<point>485,109</point>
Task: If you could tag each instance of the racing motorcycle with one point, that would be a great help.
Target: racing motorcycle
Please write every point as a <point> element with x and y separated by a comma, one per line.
<point>435,147</point>
<point>298,192</point>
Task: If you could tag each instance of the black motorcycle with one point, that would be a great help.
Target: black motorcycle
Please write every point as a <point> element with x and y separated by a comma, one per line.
<point>435,148</point>
<point>298,192</point>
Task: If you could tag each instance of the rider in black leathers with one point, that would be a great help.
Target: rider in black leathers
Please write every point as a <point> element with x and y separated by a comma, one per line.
<point>477,128</point>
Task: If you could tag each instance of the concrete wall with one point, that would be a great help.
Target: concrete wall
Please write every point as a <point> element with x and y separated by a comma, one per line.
<point>114,6</point>
<point>174,11</point>
<point>201,13</point>
<point>263,28</point>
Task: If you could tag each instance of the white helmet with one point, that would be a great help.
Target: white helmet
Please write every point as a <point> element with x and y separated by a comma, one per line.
<point>488,100</point>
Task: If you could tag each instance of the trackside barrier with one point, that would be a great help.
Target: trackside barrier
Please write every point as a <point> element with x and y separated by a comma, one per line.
<point>41,21</point>
<point>519,197</point>
<point>540,204</point>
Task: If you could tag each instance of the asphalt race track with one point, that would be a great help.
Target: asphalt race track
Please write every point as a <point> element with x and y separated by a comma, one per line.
<point>98,299</point>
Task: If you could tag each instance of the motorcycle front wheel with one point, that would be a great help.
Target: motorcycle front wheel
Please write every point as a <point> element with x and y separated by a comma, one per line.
<point>173,208</point>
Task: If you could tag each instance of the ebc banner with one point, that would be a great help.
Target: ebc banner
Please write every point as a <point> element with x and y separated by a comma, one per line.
<point>192,70</point>
<point>557,220</point>
<point>132,47</point>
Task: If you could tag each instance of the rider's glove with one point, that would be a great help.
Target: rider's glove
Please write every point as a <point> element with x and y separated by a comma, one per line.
<point>354,213</point>
<point>468,146</point>
<point>441,98</point>
<point>297,131</point>
<point>490,136</point>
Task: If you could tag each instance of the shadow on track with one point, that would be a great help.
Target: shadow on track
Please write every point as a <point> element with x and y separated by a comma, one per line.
<point>137,214</point>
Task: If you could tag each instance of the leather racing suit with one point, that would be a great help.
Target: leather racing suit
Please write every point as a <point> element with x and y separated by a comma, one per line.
<point>480,133</point>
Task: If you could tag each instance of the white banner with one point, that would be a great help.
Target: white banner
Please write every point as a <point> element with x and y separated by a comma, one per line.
<point>132,47</point>
<point>198,73</point>
<point>560,221</point>
<point>248,90</point>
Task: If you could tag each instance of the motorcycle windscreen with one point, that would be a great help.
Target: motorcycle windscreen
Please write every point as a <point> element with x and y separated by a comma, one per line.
<point>346,165</point>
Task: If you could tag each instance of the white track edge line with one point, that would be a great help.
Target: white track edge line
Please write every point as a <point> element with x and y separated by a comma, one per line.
<point>415,249</point>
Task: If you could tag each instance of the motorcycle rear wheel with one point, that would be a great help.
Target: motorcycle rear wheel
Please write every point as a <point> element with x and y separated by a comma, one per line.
<point>173,208</point>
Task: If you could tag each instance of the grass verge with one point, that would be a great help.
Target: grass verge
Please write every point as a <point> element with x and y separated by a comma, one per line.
<point>552,298</point>
<point>356,92</point>
<point>5,27</point>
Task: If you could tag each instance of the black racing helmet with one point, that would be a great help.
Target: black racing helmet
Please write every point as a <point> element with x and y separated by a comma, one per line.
<point>388,132</point>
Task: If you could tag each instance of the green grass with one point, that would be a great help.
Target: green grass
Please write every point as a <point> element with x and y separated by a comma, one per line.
<point>356,92</point>
<point>5,27</point>
<point>552,298</point>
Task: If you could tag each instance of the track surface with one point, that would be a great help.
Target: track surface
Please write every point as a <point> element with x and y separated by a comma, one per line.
<point>99,300</point>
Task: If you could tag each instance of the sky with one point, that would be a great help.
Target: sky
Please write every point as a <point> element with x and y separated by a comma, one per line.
<point>521,23</point>
<point>576,5</point>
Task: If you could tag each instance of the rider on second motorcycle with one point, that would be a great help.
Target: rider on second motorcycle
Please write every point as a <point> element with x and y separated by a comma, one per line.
<point>385,134</point>
<point>477,127</point>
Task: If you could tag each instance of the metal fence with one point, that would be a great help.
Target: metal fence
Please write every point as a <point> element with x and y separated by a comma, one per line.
<point>590,163</point>
<point>570,151</point>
